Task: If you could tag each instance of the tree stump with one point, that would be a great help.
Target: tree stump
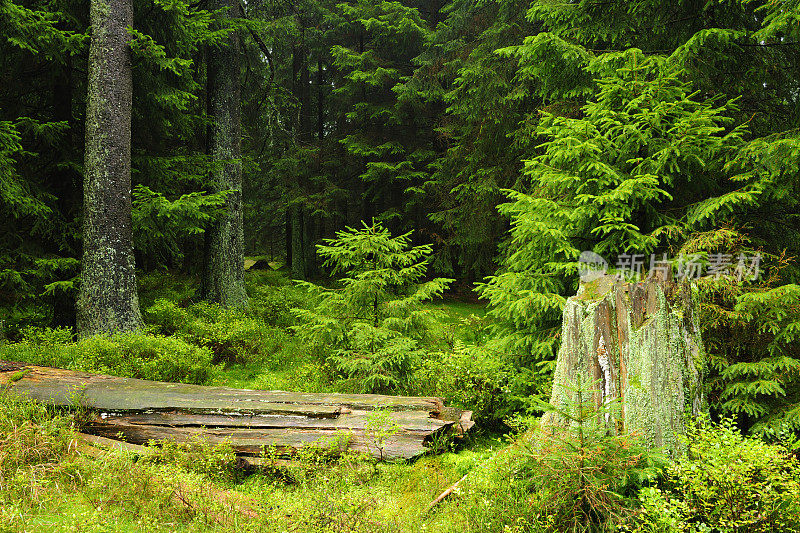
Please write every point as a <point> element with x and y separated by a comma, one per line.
<point>637,348</point>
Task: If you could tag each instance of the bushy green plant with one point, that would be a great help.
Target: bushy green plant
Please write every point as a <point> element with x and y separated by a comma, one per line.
<point>373,319</point>
<point>256,278</point>
<point>167,285</point>
<point>232,335</point>
<point>474,378</point>
<point>218,462</point>
<point>274,304</point>
<point>146,357</point>
<point>31,437</point>
<point>581,477</point>
<point>727,482</point>
<point>127,355</point>
<point>47,336</point>
<point>570,479</point>
<point>166,316</point>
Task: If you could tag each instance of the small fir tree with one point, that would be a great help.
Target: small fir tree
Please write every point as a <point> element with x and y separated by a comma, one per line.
<point>374,318</point>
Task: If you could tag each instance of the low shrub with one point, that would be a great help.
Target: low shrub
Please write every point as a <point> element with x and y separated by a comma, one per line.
<point>727,482</point>
<point>33,438</point>
<point>470,377</point>
<point>217,462</point>
<point>274,303</point>
<point>146,357</point>
<point>166,317</point>
<point>166,285</point>
<point>133,355</point>
<point>233,336</point>
<point>263,277</point>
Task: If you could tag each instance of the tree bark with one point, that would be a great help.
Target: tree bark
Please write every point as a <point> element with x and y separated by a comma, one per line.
<point>298,255</point>
<point>223,269</point>
<point>108,299</point>
<point>637,347</point>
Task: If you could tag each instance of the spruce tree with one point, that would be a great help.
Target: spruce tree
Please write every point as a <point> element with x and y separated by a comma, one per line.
<point>108,299</point>
<point>372,321</point>
<point>223,272</point>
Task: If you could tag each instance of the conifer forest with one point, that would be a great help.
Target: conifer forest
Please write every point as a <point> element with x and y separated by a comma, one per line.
<point>400,266</point>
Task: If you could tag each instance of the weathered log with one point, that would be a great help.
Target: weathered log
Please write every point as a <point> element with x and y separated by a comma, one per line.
<point>250,420</point>
<point>108,393</point>
<point>637,347</point>
<point>411,421</point>
<point>87,443</point>
<point>401,445</point>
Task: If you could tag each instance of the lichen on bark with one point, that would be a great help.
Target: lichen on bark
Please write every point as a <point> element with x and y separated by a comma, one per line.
<point>639,346</point>
<point>108,300</point>
<point>223,266</point>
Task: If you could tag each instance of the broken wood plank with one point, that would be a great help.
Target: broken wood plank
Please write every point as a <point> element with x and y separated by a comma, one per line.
<point>285,440</point>
<point>97,391</point>
<point>113,444</point>
<point>405,420</point>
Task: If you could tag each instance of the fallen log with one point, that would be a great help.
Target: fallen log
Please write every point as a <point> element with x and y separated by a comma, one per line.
<point>139,411</point>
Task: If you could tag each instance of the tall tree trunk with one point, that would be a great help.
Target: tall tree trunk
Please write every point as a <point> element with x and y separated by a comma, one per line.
<point>297,242</point>
<point>635,346</point>
<point>108,300</point>
<point>223,269</point>
<point>298,265</point>
<point>320,102</point>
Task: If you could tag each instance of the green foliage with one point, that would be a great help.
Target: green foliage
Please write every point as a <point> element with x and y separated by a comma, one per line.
<point>161,225</point>
<point>612,181</point>
<point>232,336</point>
<point>476,378</point>
<point>584,478</point>
<point>751,336</point>
<point>485,99</point>
<point>726,483</point>
<point>30,435</point>
<point>218,462</point>
<point>566,479</point>
<point>127,355</point>
<point>373,320</point>
<point>167,317</point>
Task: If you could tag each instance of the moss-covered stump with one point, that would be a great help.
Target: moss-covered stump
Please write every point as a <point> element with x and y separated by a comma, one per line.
<point>631,351</point>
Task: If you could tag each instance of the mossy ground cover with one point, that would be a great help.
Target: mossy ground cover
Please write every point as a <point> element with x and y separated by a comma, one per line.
<point>70,491</point>
<point>514,485</point>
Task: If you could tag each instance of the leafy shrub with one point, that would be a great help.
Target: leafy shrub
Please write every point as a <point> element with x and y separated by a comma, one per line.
<point>167,316</point>
<point>259,278</point>
<point>32,436</point>
<point>167,285</point>
<point>275,304</point>
<point>146,357</point>
<point>47,336</point>
<point>128,355</point>
<point>475,378</point>
<point>218,462</point>
<point>727,482</point>
<point>233,336</point>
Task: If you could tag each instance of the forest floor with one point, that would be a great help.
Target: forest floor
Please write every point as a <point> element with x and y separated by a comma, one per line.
<point>528,481</point>
<point>198,489</point>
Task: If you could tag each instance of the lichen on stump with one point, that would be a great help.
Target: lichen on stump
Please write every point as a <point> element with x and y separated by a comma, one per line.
<point>639,346</point>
